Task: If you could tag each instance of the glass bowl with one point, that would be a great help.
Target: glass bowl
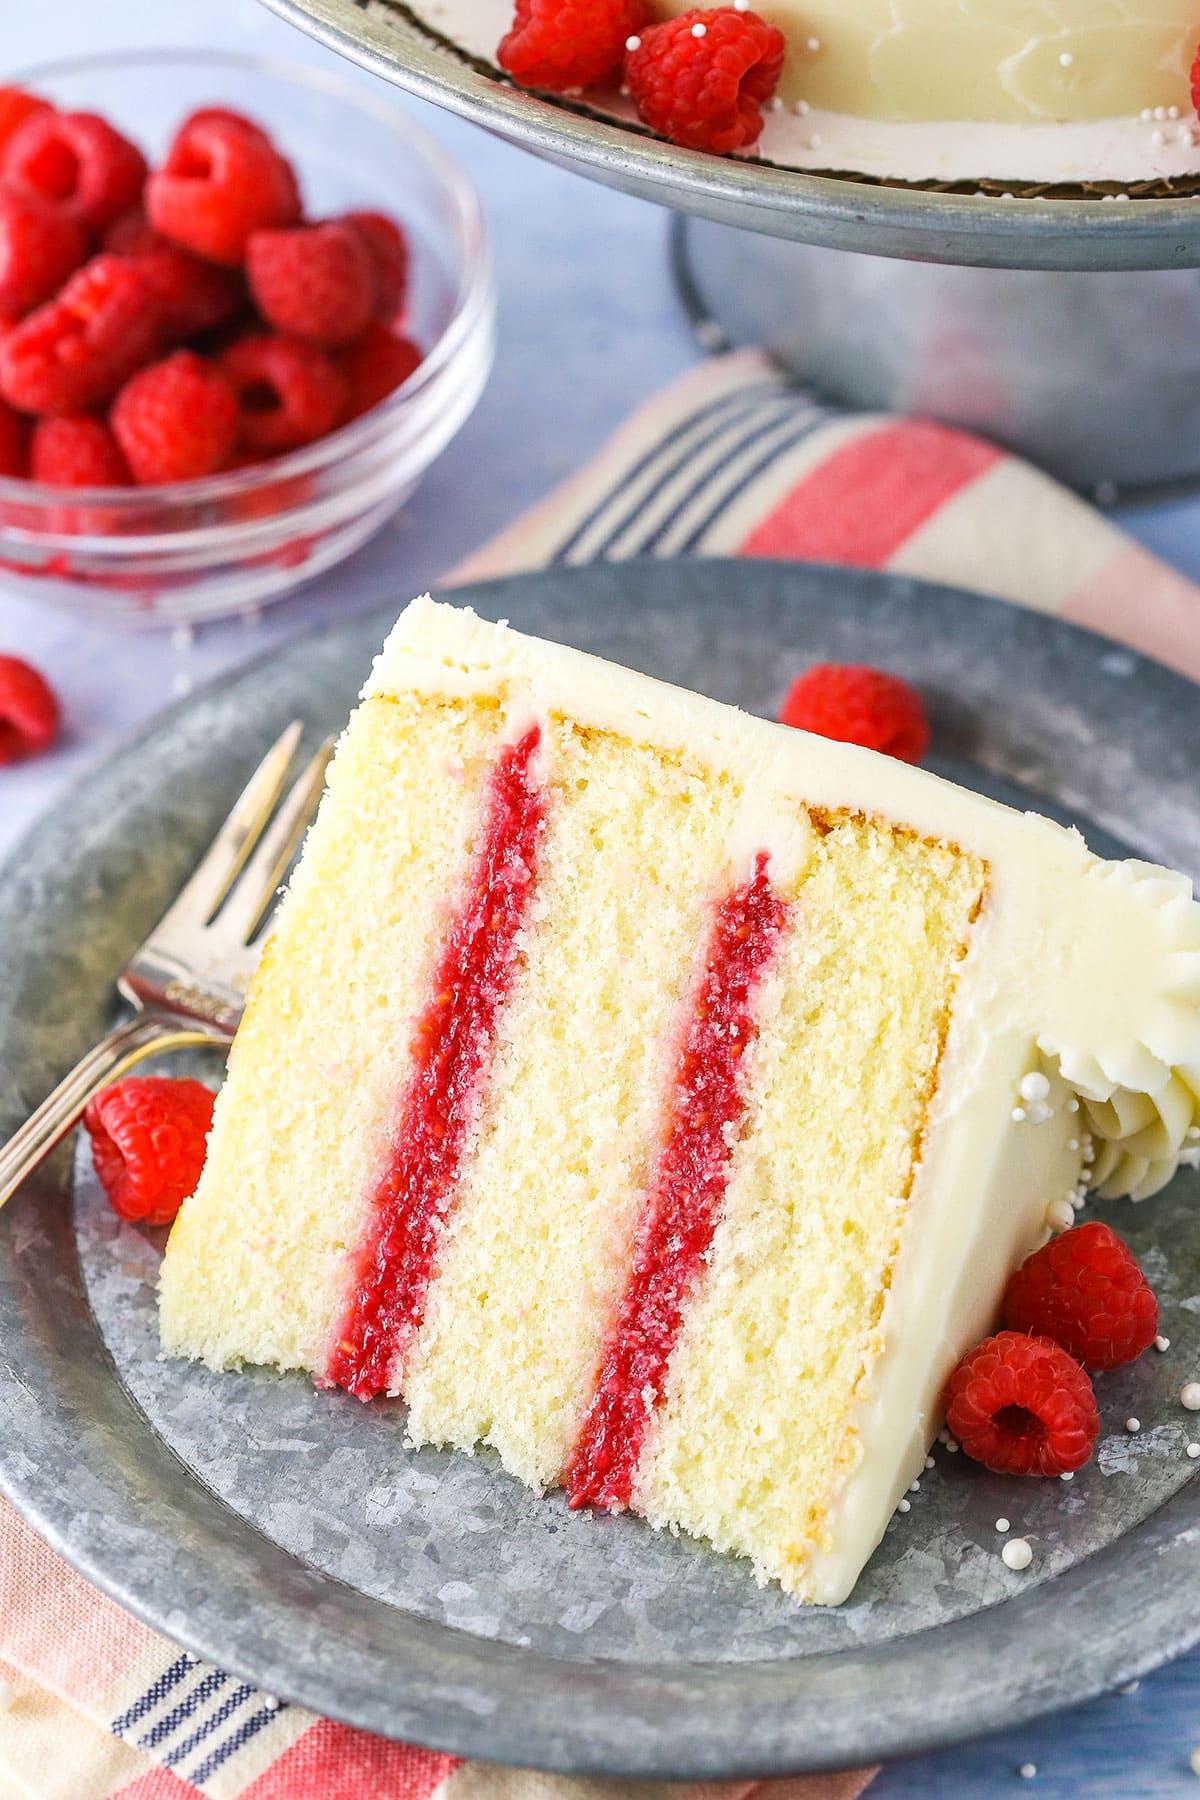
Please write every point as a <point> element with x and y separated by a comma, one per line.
<point>195,550</point>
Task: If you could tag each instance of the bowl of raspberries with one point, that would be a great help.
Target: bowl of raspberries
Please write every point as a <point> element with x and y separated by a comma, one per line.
<point>243,306</point>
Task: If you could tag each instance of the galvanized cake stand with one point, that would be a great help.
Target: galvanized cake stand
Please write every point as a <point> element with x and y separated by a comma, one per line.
<point>1064,326</point>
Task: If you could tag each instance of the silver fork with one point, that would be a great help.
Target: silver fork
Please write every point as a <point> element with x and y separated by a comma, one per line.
<point>187,983</point>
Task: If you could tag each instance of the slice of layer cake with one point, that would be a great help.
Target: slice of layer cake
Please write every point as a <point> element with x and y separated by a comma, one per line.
<point>662,1097</point>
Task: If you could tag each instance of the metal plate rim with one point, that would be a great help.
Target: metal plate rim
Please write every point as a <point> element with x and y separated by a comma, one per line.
<point>486,1699</point>
<point>880,219</point>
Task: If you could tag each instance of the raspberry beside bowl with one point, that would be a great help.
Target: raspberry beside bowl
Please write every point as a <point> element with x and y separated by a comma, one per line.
<point>197,550</point>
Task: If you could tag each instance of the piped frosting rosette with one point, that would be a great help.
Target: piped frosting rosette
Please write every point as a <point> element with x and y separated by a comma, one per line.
<point>1135,1062</point>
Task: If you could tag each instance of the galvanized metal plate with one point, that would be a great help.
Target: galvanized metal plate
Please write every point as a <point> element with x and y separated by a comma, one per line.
<point>288,1534</point>
<point>1047,232</point>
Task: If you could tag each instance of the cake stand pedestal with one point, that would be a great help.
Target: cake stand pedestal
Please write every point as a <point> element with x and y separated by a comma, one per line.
<point>1095,375</point>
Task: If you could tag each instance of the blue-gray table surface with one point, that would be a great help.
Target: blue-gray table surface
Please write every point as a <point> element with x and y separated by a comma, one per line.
<point>588,327</point>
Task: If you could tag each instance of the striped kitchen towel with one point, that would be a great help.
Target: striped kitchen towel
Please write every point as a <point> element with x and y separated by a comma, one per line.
<point>730,460</point>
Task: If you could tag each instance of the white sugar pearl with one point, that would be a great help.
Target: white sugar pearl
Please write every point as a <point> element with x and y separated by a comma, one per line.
<point>1027,1771</point>
<point>1067,1475</point>
<point>1193,1451</point>
<point>914,1487</point>
<point>1066,59</point>
<point>699,30</point>
<point>1060,1215</point>
<point>1132,1425</point>
<point>633,43</point>
<point>904,1506</point>
<point>1002,1525</point>
<point>1194,1760</point>
<point>929,1462</point>
<point>1162,1343</point>
<point>1189,1396</point>
<point>1018,1113</point>
<point>1034,1086</point>
<point>1016,1554</point>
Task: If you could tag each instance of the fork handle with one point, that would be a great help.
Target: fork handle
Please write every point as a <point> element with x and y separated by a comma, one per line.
<point>125,1046</point>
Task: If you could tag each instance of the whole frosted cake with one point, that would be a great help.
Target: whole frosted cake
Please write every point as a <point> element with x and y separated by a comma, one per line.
<point>662,1097</point>
<point>1046,91</point>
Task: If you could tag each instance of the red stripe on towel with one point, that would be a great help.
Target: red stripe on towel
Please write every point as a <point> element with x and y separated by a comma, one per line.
<point>337,1762</point>
<point>870,495</point>
<point>688,1184</point>
<point>452,1053</point>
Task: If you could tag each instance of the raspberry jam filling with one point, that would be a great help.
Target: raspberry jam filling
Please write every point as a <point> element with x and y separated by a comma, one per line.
<point>679,1216</point>
<point>453,1046</point>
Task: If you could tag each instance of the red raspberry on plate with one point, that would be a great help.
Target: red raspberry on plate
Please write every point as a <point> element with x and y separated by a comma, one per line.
<point>73,353</point>
<point>565,44</point>
<point>14,442</point>
<point>387,247</point>
<point>702,79</point>
<point>148,1141</point>
<point>1084,1290</point>
<point>221,180</point>
<point>858,705</point>
<point>176,420</point>
<point>76,162</point>
<point>375,365</point>
<point>30,717</point>
<point>290,393</point>
<point>76,450</point>
<point>17,105</point>
<point>1021,1406</point>
<point>313,281</point>
<point>39,248</point>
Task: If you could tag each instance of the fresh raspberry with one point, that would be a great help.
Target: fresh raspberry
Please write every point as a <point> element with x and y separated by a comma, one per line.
<point>39,248</point>
<point>221,181</point>
<point>16,105</point>
<point>1195,80</point>
<point>76,450</point>
<point>374,365</point>
<point>290,393</point>
<point>225,115</point>
<point>176,420</point>
<point>858,705</point>
<point>14,442</point>
<point>1084,1290</point>
<point>73,353</point>
<point>29,712</point>
<point>563,44</point>
<point>196,296</point>
<point>702,79</point>
<point>148,1141</point>
<point>130,233</point>
<point>387,247</point>
<point>314,281</point>
<point>77,163</point>
<point>1021,1406</point>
